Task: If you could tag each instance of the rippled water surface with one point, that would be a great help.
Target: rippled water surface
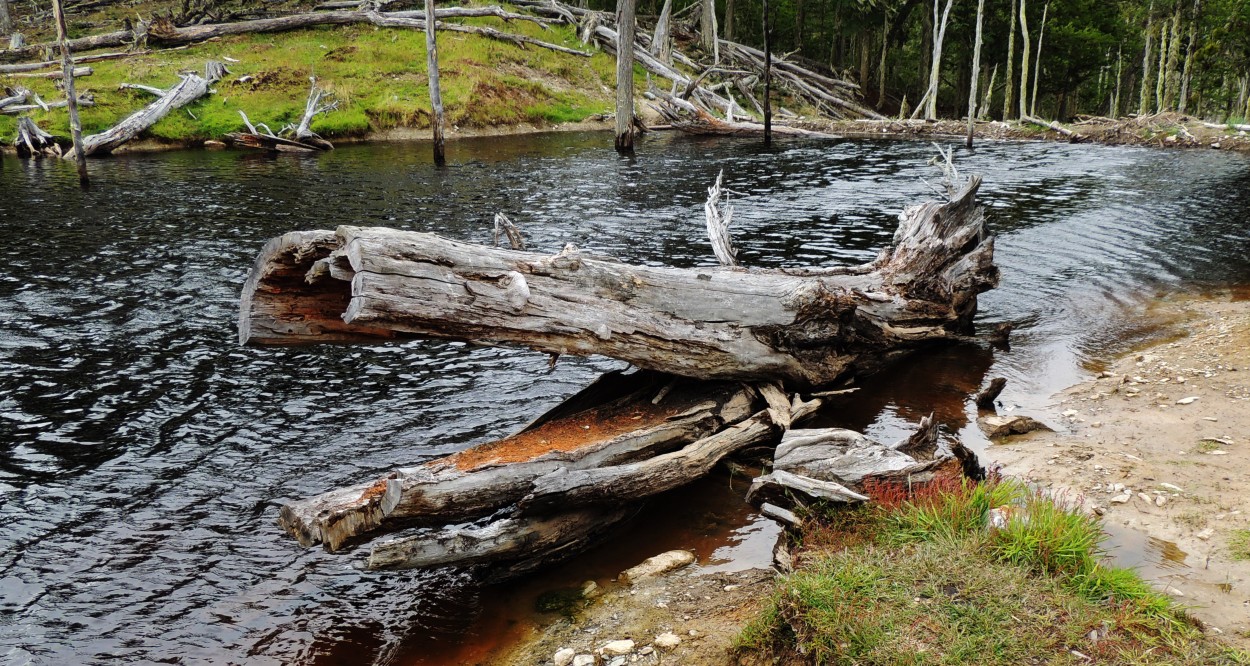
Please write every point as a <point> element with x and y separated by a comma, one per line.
<point>144,454</point>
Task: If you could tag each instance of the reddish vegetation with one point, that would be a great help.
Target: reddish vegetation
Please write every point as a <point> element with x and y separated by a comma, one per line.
<point>564,434</point>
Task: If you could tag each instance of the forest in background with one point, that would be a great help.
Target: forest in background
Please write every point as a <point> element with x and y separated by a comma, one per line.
<point>1098,57</point>
<point>1056,59</point>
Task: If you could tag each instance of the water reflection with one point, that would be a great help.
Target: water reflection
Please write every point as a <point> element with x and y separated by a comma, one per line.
<point>143,454</point>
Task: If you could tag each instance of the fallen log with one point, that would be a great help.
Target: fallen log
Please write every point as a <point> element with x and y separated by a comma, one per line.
<point>301,138</point>
<point>614,422</point>
<point>1073,137</point>
<point>79,72</point>
<point>84,99</point>
<point>15,96</point>
<point>812,327</point>
<point>693,120</point>
<point>521,543</point>
<point>191,88</point>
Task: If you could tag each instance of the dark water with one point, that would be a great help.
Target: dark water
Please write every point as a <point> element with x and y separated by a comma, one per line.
<point>143,454</point>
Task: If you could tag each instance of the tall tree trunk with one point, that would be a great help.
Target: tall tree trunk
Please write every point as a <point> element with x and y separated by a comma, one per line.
<point>1143,107</point>
<point>1191,49</point>
<point>1037,69</point>
<point>976,72</point>
<point>436,95</point>
<point>67,69</point>
<point>768,78</point>
<point>1114,112</point>
<point>625,76</point>
<point>707,30</point>
<point>1172,87</point>
<point>662,39</point>
<point>1009,89</point>
<point>1024,60</point>
<point>729,20</point>
<point>935,71</point>
<point>984,111</point>
<point>1161,72</point>
<point>865,58</point>
<point>885,49</point>
<point>6,22</point>
<point>799,17</point>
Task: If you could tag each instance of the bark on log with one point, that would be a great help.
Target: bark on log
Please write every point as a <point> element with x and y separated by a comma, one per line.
<point>807,326</point>
<point>566,488</point>
<point>624,427</point>
<point>1073,137</point>
<point>528,541</point>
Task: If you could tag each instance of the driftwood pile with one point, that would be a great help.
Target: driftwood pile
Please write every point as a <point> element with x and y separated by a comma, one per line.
<point>729,358</point>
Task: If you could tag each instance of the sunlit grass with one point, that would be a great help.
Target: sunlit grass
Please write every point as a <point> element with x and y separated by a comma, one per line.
<point>377,74</point>
<point>923,581</point>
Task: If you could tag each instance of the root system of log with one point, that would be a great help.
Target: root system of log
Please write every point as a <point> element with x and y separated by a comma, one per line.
<point>812,326</point>
<point>31,141</point>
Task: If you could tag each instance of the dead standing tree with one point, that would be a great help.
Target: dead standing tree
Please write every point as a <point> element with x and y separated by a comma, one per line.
<point>625,76</point>
<point>436,96</point>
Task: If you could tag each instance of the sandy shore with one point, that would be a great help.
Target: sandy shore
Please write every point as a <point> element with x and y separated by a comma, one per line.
<point>1159,445</point>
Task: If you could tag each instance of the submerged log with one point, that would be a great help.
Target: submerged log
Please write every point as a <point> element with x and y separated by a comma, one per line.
<point>612,423</point>
<point>811,326</point>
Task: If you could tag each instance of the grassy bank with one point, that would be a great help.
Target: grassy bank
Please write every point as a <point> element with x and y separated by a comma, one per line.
<point>925,581</point>
<point>377,74</point>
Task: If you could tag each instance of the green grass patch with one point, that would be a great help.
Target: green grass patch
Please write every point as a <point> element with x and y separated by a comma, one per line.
<point>1239,545</point>
<point>378,76</point>
<point>924,581</point>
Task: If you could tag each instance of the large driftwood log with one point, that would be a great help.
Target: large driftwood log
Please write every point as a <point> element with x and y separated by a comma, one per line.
<point>612,423</point>
<point>810,327</point>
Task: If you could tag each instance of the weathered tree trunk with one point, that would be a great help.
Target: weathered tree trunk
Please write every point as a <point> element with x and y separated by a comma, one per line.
<point>6,22</point>
<point>1161,72</point>
<point>67,72</point>
<point>662,39</point>
<point>1172,83</point>
<point>625,76</point>
<point>728,32</point>
<point>1037,68</point>
<point>1143,106</point>
<point>1011,63</point>
<point>1024,60</point>
<point>885,50</point>
<point>768,77</point>
<point>805,326</point>
<point>708,38</point>
<point>976,73</point>
<point>1191,50</point>
<point>935,71</point>
<point>436,96</point>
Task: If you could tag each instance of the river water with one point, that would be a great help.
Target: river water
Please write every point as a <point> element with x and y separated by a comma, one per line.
<point>144,454</point>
